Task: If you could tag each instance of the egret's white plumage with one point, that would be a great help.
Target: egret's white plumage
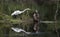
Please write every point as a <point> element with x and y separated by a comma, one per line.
<point>19,30</point>
<point>16,12</point>
<point>19,12</point>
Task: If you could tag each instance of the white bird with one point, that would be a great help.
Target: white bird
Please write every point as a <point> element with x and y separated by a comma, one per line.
<point>19,12</point>
<point>19,30</point>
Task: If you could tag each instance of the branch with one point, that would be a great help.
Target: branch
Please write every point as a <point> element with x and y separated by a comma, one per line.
<point>55,17</point>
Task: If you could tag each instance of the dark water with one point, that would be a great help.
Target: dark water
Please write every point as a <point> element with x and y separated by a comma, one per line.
<point>7,32</point>
<point>41,34</point>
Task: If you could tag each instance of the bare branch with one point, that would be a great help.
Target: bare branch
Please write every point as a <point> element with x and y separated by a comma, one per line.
<point>56,18</point>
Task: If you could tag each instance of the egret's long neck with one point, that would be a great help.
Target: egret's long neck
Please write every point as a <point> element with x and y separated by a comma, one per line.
<point>24,10</point>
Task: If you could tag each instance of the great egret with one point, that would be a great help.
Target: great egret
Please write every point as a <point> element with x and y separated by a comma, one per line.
<point>19,12</point>
<point>19,30</point>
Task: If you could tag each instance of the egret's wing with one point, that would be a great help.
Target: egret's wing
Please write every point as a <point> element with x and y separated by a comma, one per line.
<point>16,12</point>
